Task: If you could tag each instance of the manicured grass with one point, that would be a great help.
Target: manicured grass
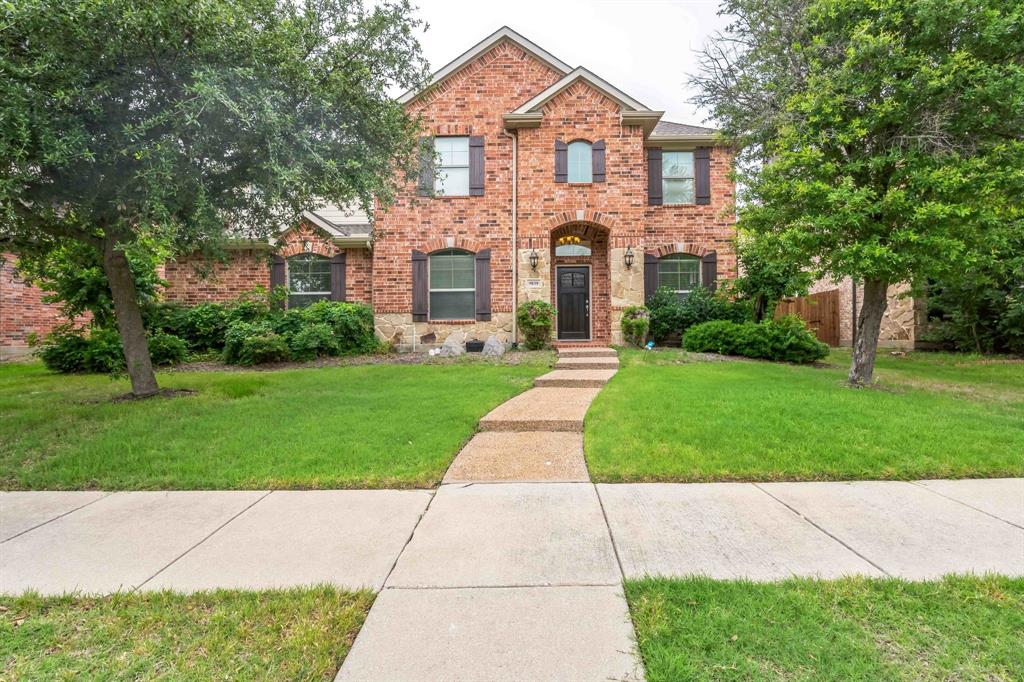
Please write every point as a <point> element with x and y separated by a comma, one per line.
<point>852,629</point>
<point>667,416</point>
<point>379,425</point>
<point>281,635</point>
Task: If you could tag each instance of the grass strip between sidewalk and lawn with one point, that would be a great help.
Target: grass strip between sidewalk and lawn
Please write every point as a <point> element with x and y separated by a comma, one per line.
<point>671,416</point>
<point>961,628</point>
<point>365,426</point>
<point>288,634</point>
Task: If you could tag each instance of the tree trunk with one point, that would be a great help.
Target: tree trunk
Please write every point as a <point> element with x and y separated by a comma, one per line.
<point>869,323</point>
<point>129,320</point>
<point>760,305</point>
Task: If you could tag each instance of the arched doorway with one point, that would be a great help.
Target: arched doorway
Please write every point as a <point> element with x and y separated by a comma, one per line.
<point>579,274</point>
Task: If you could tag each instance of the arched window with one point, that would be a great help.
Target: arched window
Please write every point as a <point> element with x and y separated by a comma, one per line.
<point>581,162</point>
<point>452,285</point>
<point>572,246</point>
<point>679,272</point>
<point>309,279</point>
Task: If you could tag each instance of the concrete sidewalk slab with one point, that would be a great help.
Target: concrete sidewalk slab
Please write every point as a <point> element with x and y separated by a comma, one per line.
<point>574,378</point>
<point>22,511</point>
<point>542,409</point>
<point>1000,497</point>
<point>721,530</point>
<point>520,456</point>
<point>906,530</point>
<point>509,534</point>
<point>500,634</point>
<point>348,538</point>
<point>587,363</point>
<point>116,543</point>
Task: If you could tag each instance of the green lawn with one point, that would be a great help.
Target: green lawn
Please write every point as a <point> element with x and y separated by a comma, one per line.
<point>299,634</point>
<point>668,416</point>
<point>852,629</point>
<point>384,425</point>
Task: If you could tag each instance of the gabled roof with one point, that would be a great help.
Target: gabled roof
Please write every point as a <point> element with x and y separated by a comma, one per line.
<point>503,33</point>
<point>578,74</point>
<point>340,221</point>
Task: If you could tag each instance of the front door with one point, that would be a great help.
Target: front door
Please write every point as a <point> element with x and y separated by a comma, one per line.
<point>573,303</point>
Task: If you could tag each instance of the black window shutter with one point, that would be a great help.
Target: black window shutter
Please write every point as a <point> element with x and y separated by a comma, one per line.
<point>702,174</point>
<point>483,284</point>
<point>419,286</point>
<point>650,276</point>
<point>277,275</point>
<point>654,176</point>
<point>476,166</point>
<point>425,185</point>
<point>597,154</point>
<point>709,271</point>
<point>561,161</point>
<point>338,277</point>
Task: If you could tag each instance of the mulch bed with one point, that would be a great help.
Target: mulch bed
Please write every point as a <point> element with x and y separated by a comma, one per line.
<point>510,358</point>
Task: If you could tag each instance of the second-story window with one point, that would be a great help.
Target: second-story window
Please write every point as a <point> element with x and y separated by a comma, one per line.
<point>677,178</point>
<point>452,177</point>
<point>580,162</point>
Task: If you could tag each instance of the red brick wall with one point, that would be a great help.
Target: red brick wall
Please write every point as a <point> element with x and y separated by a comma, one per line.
<point>22,311</point>
<point>194,280</point>
<point>471,102</point>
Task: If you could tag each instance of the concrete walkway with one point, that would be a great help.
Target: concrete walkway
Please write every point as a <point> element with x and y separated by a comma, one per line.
<point>513,568</point>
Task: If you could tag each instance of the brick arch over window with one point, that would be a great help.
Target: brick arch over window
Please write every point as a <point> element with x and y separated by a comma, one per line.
<point>708,264</point>
<point>290,242</point>
<point>421,275</point>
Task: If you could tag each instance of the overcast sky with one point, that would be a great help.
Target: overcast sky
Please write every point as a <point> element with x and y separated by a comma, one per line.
<point>644,47</point>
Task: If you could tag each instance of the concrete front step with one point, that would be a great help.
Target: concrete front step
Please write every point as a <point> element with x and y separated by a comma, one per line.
<point>587,363</point>
<point>503,456</point>
<point>574,378</point>
<point>587,353</point>
<point>542,409</point>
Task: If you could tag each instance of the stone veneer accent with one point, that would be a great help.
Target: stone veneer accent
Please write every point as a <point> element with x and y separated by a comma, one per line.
<point>902,322</point>
<point>404,335</point>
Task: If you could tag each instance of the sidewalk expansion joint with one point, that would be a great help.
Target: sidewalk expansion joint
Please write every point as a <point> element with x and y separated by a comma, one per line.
<point>953,499</point>
<point>204,539</point>
<point>55,518</point>
<point>514,586</point>
<point>822,529</point>
<point>433,494</point>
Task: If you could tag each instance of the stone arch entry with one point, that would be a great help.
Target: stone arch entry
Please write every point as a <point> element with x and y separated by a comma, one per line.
<point>581,283</point>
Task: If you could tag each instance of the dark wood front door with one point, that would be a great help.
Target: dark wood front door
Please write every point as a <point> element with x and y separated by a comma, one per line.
<point>573,303</point>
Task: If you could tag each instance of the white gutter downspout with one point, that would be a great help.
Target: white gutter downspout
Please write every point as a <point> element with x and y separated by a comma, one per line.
<point>514,135</point>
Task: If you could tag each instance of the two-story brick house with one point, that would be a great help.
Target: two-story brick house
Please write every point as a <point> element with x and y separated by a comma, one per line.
<point>540,181</point>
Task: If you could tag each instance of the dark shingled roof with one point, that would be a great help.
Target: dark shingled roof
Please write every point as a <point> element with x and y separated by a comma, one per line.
<point>670,128</point>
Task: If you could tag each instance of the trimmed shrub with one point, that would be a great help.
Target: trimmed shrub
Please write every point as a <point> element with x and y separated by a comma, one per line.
<point>313,341</point>
<point>671,316</point>
<point>236,335</point>
<point>201,326</point>
<point>262,348</point>
<point>166,349</point>
<point>351,323</point>
<point>536,319</point>
<point>787,340</point>
<point>636,320</point>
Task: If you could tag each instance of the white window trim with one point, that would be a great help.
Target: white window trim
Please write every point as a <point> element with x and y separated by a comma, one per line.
<point>288,278</point>
<point>678,177</point>
<point>431,290</point>
<point>440,167</point>
<point>700,281</point>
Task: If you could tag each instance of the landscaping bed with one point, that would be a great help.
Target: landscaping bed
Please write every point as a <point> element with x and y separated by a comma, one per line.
<point>287,634</point>
<point>962,628</point>
<point>670,416</point>
<point>361,426</point>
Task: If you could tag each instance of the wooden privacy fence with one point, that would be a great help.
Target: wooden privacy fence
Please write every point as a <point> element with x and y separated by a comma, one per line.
<point>819,311</point>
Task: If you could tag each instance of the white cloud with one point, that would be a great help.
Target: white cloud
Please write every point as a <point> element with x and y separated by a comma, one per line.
<point>644,47</point>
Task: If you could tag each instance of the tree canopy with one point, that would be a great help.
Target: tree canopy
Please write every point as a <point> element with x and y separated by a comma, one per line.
<point>878,139</point>
<point>169,125</point>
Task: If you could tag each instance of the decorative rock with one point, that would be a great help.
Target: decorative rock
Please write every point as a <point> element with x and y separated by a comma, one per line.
<point>454,345</point>
<point>493,347</point>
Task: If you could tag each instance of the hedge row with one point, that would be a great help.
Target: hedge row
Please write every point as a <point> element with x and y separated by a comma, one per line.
<point>787,339</point>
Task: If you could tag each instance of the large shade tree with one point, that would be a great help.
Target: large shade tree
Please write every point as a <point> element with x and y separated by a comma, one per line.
<point>881,140</point>
<point>165,126</point>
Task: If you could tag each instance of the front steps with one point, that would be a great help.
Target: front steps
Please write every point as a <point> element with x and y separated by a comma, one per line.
<point>586,353</point>
<point>574,378</point>
<point>587,363</point>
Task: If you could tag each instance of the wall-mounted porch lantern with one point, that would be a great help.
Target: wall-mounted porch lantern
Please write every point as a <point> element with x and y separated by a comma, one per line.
<point>534,259</point>
<point>628,258</point>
